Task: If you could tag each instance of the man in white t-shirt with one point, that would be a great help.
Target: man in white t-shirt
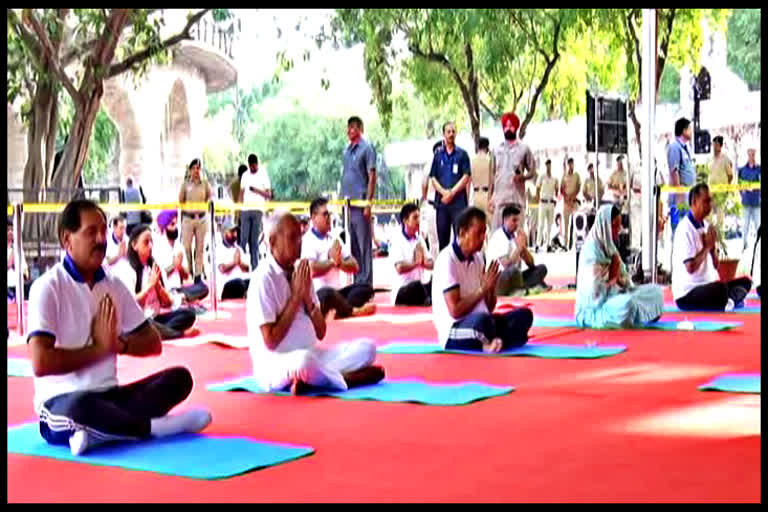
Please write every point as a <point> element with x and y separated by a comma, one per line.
<point>328,258</point>
<point>696,283</point>
<point>255,189</point>
<point>509,246</point>
<point>170,255</point>
<point>117,242</point>
<point>286,325</point>
<point>77,396</point>
<point>464,294</point>
<point>409,257</point>
<point>231,271</point>
<point>547,186</point>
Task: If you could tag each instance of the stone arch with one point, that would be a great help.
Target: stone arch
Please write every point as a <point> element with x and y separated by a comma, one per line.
<point>118,105</point>
<point>175,136</point>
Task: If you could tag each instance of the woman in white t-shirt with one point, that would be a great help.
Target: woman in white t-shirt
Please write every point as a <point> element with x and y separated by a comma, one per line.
<point>605,294</point>
<point>146,280</point>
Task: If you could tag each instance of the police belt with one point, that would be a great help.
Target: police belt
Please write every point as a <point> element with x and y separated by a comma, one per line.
<point>549,201</point>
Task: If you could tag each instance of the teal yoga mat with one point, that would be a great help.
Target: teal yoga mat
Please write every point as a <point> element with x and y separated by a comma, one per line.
<point>19,367</point>
<point>671,308</point>
<point>405,390</point>
<point>661,325</point>
<point>734,382</point>
<point>547,351</point>
<point>197,456</point>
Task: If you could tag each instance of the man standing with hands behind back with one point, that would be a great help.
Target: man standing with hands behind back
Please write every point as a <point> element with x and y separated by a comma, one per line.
<point>358,182</point>
<point>255,188</point>
<point>450,175</point>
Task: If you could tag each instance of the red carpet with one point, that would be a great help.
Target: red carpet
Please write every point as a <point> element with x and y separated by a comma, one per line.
<point>567,434</point>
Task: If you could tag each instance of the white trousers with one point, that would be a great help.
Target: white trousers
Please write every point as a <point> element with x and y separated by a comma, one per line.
<point>317,366</point>
<point>546,216</point>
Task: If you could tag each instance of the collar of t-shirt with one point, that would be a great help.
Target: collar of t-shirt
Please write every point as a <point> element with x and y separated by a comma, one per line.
<point>114,239</point>
<point>696,224</point>
<point>507,233</point>
<point>459,255</point>
<point>71,269</point>
<point>318,234</point>
<point>227,244</point>
<point>407,237</point>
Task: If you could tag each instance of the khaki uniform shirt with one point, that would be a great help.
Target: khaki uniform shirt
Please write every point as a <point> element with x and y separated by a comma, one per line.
<point>589,188</point>
<point>718,170</point>
<point>548,186</point>
<point>572,185</point>
<point>509,157</point>
<point>617,179</point>
<point>192,192</point>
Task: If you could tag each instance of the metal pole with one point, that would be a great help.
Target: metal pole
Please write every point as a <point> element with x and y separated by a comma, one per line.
<point>648,87</point>
<point>213,292</point>
<point>597,162</point>
<point>18,255</point>
<point>348,231</point>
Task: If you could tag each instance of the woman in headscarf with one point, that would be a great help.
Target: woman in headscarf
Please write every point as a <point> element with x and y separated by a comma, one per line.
<point>146,280</point>
<point>606,296</point>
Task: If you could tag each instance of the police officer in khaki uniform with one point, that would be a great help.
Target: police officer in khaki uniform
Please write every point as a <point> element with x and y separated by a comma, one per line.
<point>569,187</point>
<point>482,169</point>
<point>194,222</point>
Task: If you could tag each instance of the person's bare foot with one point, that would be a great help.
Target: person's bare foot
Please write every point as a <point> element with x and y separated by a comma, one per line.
<point>366,310</point>
<point>299,387</point>
<point>364,376</point>
<point>494,346</point>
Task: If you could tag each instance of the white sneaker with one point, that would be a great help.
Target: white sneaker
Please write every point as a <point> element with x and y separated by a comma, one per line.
<point>729,306</point>
<point>78,442</point>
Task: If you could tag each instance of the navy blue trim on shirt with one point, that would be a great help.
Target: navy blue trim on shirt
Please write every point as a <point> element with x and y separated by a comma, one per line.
<point>451,288</point>
<point>696,224</point>
<point>409,238</point>
<point>457,250</point>
<point>319,235</point>
<point>227,244</point>
<point>509,235</point>
<point>117,242</point>
<point>41,332</point>
<point>71,269</point>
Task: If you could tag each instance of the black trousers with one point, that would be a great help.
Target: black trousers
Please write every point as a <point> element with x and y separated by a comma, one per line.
<point>714,296</point>
<point>470,332</point>
<point>414,293</point>
<point>173,324</point>
<point>446,217</point>
<point>344,300</point>
<point>193,292</point>
<point>118,413</point>
<point>512,279</point>
<point>235,289</point>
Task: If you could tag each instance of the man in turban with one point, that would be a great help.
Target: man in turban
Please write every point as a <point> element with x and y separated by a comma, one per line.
<point>169,254</point>
<point>514,164</point>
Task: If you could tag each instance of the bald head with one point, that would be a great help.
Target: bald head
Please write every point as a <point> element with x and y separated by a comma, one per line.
<point>285,240</point>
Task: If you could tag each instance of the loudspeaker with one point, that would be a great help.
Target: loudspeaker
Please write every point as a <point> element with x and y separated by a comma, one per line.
<point>702,142</point>
<point>611,125</point>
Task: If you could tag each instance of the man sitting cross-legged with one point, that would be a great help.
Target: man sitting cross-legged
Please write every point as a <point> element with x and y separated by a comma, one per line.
<point>509,245</point>
<point>696,283</point>
<point>232,269</point>
<point>80,318</point>
<point>464,294</point>
<point>285,323</point>
<point>328,258</point>
<point>409,256</point>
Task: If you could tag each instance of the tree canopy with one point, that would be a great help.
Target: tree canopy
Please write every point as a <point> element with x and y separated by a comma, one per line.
<point>744,51</point>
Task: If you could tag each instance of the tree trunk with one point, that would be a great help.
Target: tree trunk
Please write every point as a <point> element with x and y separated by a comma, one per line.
<point>636,123</point>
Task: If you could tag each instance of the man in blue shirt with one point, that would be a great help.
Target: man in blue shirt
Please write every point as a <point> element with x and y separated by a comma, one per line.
<point>750,199</point>
<point>681,170</point>
<point>449,174</point>
<point>359,182</point>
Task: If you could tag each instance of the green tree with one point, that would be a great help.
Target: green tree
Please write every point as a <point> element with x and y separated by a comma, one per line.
<point>679,42</point>
<point>75,51</point>
<point>744,55</point>
<point>461,55</point>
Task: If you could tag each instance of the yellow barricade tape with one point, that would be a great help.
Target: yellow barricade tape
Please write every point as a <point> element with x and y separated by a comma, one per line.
<point>712,188</point>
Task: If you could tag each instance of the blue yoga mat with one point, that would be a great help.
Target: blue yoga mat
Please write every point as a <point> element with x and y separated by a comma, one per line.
<point>734,382</point>
<point>547,351</point>
<point>190,455</point>
<point>661,325</point>
<point>671,308</point>
<point>406,390</point>
<point>19,367</point>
